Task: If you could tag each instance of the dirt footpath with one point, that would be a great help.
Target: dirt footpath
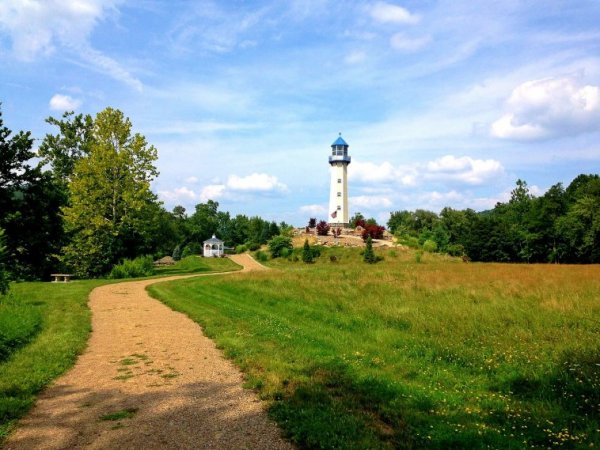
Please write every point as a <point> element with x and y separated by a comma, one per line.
<point>149,379</point>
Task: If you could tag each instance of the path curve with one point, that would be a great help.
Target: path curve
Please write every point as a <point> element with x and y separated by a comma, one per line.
<point>147,359</point>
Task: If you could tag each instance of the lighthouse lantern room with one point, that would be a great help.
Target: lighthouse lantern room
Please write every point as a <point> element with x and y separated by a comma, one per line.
<point>338,194</point>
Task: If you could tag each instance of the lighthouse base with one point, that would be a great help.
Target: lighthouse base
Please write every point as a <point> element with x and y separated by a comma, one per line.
<point>339,225</point>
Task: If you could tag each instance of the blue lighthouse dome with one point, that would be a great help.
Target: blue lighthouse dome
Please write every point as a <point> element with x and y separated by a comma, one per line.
<point>340,141</point>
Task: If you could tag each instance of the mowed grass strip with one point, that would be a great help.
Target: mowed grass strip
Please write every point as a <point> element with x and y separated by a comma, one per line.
<point>439,354</point>
<point>45,326</point>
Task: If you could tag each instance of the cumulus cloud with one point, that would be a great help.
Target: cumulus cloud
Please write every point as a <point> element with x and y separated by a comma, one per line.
<point>550,107</point>
<point>403,43</point>
<point>369,202</point>
<point>256,182</point>
<point>177,195</point>
<point>41,27</point>
<point>60,102</point>
<point>389,13</point>
<point>463,169</point>
<point>355,57</point>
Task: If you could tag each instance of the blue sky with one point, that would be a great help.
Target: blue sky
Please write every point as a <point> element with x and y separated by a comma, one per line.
<point>443,102</point>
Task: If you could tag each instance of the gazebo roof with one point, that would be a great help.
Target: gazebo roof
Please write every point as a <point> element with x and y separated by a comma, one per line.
<point>213,240</point>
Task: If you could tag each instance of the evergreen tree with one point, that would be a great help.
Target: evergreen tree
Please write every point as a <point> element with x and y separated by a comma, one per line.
<point>3,274</point>
<point>307,255</point>
<point>369,255</point>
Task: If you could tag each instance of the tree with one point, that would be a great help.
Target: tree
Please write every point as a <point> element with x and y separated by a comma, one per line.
<point>357,220</point>
<point>110,197</point>
<point>3,274</point>
<point>280,245</point>
<point>323,228</point>
<point>307,255</point>
<point>73,142</point>
<point>369,255</point>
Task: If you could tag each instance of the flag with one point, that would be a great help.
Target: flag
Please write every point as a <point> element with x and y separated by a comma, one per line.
<point>334,214</point>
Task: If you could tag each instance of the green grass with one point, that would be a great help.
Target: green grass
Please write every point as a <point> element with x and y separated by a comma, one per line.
<point>45,326</point>
<point>120,415</point>
<point>437,354</point>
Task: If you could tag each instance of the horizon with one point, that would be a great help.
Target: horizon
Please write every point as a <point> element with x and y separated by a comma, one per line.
<point>441,104</point>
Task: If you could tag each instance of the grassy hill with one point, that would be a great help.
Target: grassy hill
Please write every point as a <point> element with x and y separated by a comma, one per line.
<point>437,354</point>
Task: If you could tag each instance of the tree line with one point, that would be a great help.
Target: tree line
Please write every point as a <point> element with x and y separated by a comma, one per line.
<point>82,202</point>
<point>561,226</point>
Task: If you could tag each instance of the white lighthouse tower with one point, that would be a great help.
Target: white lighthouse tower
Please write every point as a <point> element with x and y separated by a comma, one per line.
<point>338,194</point>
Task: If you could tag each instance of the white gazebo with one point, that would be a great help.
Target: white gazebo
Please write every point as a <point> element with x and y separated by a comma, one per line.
<point>213,247</point>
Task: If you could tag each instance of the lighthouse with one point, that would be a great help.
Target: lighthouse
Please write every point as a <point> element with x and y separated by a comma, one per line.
<point>338,193</point>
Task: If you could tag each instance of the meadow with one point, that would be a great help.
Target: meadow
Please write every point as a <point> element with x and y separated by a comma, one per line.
<point>404,354</point>
<point>45,326</point>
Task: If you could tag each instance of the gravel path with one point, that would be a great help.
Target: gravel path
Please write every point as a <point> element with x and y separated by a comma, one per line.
<point>148,362</point>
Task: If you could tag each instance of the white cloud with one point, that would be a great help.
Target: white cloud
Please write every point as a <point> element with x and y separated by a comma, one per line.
<point>369,202</point>
<point>314,210</point>
<point>463,169</point>
<point>256,182</point>
<point>212,192</point>
<point>550,107</point>
<point>181,194</point>
<point>41,27</point>
<point>448,168</point>
<point>401,42</point>
<point>60,102</point>
<point>191,180</point>
<point>389,13</point>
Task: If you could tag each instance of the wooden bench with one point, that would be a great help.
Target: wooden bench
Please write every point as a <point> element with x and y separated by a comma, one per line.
<point>61,277</point>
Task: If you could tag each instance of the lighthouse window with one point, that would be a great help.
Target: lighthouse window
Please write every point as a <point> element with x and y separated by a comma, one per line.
<point>339,208</point>
<point>339,180</point>
<point>339,194</point>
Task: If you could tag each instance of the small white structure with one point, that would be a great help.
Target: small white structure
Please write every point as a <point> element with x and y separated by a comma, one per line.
<point>338,193</point>
<point>213,247</point>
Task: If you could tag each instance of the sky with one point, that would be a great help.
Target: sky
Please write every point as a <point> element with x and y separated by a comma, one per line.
<point>442,102</point>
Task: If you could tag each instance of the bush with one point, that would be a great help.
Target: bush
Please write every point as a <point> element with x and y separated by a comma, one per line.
<point>177,253</point>
<point>278,244</point>
<point>373,230</point>
<point>285,252</point>
<point>316,251</point>
<point>253,246</point>
<point>369,254</point>
<point>418,256</point>
<point>138,267</point>
<point>240,249</point>
<point>261,256</point>
<point>430,246</point>
<point>322,228</point>
<point>312,222</point>
<point>455,250</point>
<point>409,241</point>
<point>193,248</point>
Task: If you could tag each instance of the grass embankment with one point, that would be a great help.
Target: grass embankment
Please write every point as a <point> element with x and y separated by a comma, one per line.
<point>44,326</point>
<point>440,354</point>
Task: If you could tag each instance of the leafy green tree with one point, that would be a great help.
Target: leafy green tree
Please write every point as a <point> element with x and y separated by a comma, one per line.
<point>111,200</point>
<point>354,220</point>
<point>369,255</point>
<point>204,222</point>
<point>280,245</point>
<point>73,142</point>
<point>307,254</point>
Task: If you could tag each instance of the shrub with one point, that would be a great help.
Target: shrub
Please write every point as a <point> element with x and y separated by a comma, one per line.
<point>430,246</point>
<point>278,243</point>
<point>455,250</point>
<point>373,230</point>
<point>193,248</point>
<point>312,222</point>
<point>307,254</point>
<point>316,251</point>
<point>261,256</point>
<point>253,246</point>
<point>322,228</point>
<point>177,253</point>
<point>418,256</point>
<point>240,249</point>
<point>138,267</point>
<point>285,252</point>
